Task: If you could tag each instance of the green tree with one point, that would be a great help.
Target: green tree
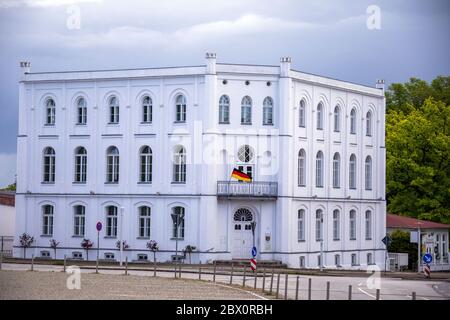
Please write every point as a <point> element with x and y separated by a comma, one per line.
<point>418,149</point>
<point>400,243</point>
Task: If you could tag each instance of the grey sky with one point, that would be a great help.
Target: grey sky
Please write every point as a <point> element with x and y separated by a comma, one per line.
<point>329,38</point>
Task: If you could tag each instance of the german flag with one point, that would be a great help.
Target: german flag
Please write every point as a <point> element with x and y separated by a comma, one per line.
<point>239,175</point>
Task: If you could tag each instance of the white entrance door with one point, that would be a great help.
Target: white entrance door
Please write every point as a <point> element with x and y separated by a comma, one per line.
<point>242,234</point>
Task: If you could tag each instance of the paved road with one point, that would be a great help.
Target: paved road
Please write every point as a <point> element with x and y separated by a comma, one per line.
<point>363,288</point>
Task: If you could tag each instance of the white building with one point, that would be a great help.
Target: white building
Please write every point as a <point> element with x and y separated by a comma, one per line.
<point>134,148</point>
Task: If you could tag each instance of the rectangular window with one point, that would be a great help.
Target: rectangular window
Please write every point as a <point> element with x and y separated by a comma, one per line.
<point>354,259</point>
<point>336,225</point>
<point>82,115</point>
<point>352,225</point>
<point>301,225</point>
<point>368,225</point>
<point>79,221</point>
<point>369,259</point>
<point>178,223</point>
<point>319,225</point>
<point>77,255</point>
<point>302,262</point>
<point>337,260</point>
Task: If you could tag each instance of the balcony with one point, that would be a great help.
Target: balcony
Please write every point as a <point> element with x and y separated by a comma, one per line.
<point>235,189</point>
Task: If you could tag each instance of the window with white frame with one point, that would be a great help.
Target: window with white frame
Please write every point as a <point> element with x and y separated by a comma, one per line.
<point>77,255</point>
<point>49,165</point>
<point>81,111</point>
<point>319,224</point>
<point>246,110</point>
<point>268,111</point>
<point>301,168</point>
<point>369,124</point>
<point>147,110</point>
<point>353,121</point>
<point>224,109</point>
<point>142,257</point>
<point>302,114</point>
<point>352,172</point>
<point>320,116</point>
<point>179,165</point>
<point>245,154</point>
<point>47,220</point>
<point>145,165</point>
<point>50,112</point>
<point>80,165</point>
<point>336,225</point>
<point>144,221</point>
<point>368,173</point>
<point>109,256</point>
<point>354,259</point>
<point>180,108</point>
<point>336,170</point>
<point>112,165</point>
<point>301,225</point>
<point>302,263</point>
<point>369,258</point>
<point>337,260</point>
<point>178,215</point>
<point>79,219</point>
<point>368,225</point>
<point>45,254</point>
<point>113,110</point>
<point>337,119</point>
<point>352,225</point>
<point>111,221</point>
<point>319,169</point>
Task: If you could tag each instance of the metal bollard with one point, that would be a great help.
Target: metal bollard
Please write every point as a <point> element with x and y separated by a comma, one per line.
<point>309,288</point>
<point>175,268</point>
<point>96,267</point>
<point>64,268</point>
<point>214,272</point>
<point>413,296</point>
<point>349,292</point>
<point>296,288</point>
<point>328,290</point>
<point>378,294</point>
<point>286,287</point>
<point>231,275</point>
<point>278,286</point>
<point>154,269</point>
<point>199,273</point>
<point>179,272</point>
<point>1,258</point>
<point>256,279</point>
<point>126,266</point>
<point>263,286</point>
<point>32,262</point>
<point>271,282</point>
<point>243,279</point>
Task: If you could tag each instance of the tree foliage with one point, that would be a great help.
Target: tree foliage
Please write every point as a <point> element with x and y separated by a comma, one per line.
<point>400,243</point>
<point>418,149</point>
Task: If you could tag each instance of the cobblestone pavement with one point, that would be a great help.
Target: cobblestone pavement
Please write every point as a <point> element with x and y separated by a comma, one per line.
<point>51,285</point>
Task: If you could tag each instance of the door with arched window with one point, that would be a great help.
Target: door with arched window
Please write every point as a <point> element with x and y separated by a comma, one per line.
<point>242,233</point>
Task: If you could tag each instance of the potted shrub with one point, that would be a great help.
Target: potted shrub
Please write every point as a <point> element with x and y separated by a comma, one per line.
<point>87,244</point>
<point>153,246</point>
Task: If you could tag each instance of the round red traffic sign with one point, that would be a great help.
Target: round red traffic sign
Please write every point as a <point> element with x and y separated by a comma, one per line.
<point>99,226</point>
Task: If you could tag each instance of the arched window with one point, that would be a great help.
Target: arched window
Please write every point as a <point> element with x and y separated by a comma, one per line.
<point>301,225</point>
<point>224,109</point>
<point>336,225</point>
<point>302,114</point>
<point>368,225</point>
<point>337,119</point>
<point>111,221</point>
<point>144,221</point>
<point>336,170</point>
<point>112,165</point>
<point>319,169</point>
<point>352,172</point>
<point>268,111</point>
<point>79,219</point>
<point>145,165</point>
<point>368,173</point>
<point>47,220</point>
<point>113,110</point>
<point>352,225</point>
<point>49,165</point>
<point>245,154</point>
<point>243,215</point>
<point>320,116</point>
<point>179,165</point>
<point>81,111</point>
<point>80,165</point>
<point>180,108</point>
<point>50,112</point>
<point>369,124</point>
<point>319,224</point>
<point>178,215</point>
<point>246,110</point>
<point>147,109</point>
<point>353,121</point>
<point>301,168</point>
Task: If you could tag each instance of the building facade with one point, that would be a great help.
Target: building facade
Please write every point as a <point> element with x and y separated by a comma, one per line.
<point>149,153</point>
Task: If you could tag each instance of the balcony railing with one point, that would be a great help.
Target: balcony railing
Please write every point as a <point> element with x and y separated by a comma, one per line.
<point>247,189</point>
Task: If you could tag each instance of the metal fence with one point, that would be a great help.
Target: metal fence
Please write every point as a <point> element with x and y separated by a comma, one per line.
<point>6,248</point>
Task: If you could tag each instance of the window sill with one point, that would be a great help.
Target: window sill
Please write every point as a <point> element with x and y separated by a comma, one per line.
<point>268,124</point>
<point>179,122</point>
<point>144,183</point>
<point>336,131</point>
<point>146,123</point>
<point>49,125</point>
<point>112,183</point>
<point>352,239</point>
<point>143,238</point>
<point>79,183</point>
<point>46,235</point>
<point>47,183</point>
<point>75,236</point>
<point>301,241</point>
<point>81,124</point>
<point>302,127</point>
<point>228,122</point>
<point>368,239</point>
<point>368,189</point>
<point>319,129</point>
<point>179,239</point>
<point>302,186</point>
<point>110,237</point>
<point>336,240</point>
<point>113,124</point>
<point>178,183</point>
<point>246,124</point>
<point>356,265</point>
